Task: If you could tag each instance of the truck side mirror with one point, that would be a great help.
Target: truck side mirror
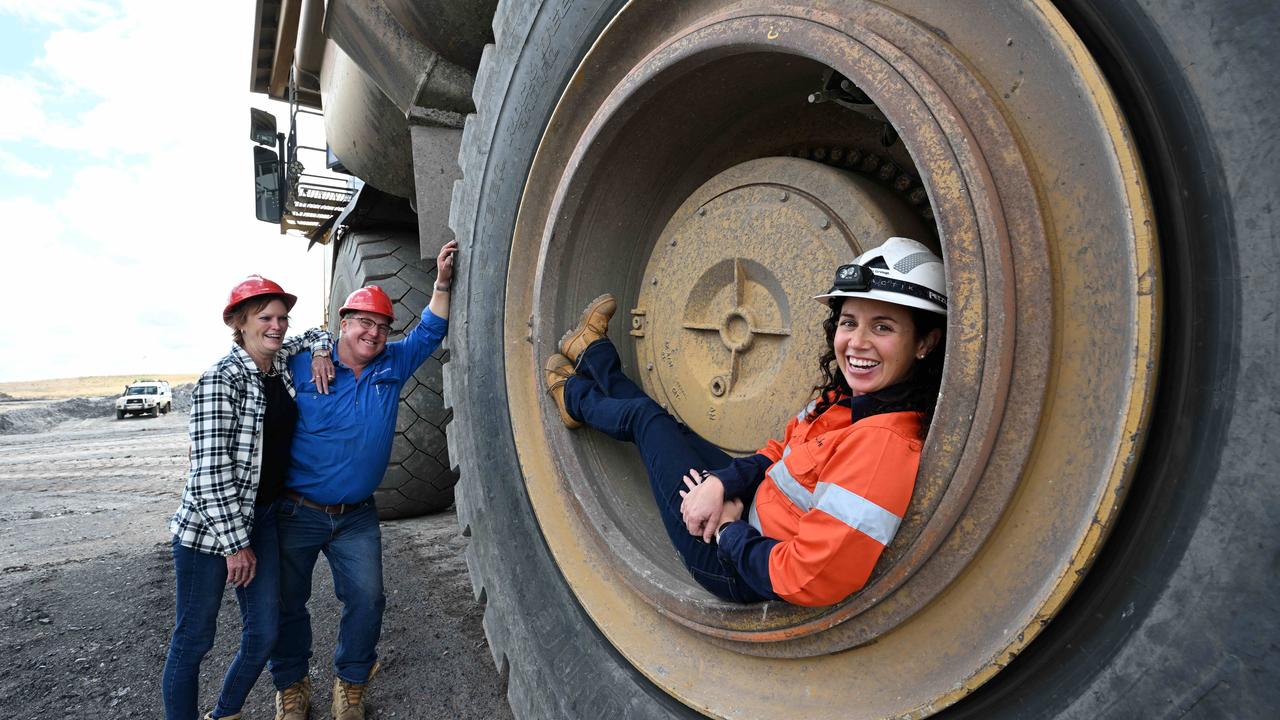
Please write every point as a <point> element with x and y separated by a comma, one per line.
<point>266,184</point>
<point>262,127</point>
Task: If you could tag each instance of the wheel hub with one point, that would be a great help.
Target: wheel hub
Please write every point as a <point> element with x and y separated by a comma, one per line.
<point>728,283</point>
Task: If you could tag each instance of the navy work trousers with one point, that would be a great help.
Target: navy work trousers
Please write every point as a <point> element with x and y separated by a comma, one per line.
<point>603,397</point>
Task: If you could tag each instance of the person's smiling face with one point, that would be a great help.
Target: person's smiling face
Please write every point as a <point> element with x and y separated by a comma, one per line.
<point>364,335</point>
<point>876,344</point>
<point>263,331</point>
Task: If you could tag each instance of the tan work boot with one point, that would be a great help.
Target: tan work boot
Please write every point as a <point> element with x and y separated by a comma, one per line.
<point>294,702</point>
<point>558,371</point>
<point>348,698</point>
<point>593,325</point>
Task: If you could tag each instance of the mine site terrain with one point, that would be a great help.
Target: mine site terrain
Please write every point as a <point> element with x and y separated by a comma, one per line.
<point>86,577</point>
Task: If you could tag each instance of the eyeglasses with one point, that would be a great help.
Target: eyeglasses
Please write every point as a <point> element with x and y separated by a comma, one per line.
<point>383,328</point>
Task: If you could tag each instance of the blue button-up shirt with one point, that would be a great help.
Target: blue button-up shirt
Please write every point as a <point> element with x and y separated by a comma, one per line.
<point>343,439</point>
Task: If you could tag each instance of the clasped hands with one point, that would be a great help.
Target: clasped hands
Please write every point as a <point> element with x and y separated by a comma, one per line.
<point>704,508</point>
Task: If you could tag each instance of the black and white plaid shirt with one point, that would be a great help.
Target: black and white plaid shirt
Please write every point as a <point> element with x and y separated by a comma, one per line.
<point>227,408</point>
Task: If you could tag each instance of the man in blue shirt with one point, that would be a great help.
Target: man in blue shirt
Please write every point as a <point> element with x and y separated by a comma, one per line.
<point>340,451</point>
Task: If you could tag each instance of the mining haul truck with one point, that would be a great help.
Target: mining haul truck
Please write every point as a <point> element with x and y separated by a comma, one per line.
<point>1093,533</point>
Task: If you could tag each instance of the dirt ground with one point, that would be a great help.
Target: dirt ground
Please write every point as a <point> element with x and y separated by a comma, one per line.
<point>86,589</point>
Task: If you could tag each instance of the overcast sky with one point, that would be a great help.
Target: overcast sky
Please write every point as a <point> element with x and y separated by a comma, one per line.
<point>126,193</point>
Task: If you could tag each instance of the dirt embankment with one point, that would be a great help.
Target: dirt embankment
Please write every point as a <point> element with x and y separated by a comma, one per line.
<point>88,386</point>
<point>86,579</point>
<point>36,416</point>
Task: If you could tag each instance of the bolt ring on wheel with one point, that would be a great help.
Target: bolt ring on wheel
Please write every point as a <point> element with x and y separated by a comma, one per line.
<point>978,376</point>
<point>1000,262</point>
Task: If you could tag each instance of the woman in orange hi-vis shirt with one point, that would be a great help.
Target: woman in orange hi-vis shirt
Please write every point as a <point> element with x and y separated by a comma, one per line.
<point>821,504</point>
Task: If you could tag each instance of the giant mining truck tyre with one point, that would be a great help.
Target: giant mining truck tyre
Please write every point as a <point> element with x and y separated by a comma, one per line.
<point>1094,533</point>
<point>419,477</point>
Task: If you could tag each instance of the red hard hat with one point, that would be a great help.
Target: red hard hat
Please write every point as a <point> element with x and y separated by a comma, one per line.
<point>369,299</point>
<point>253,286</point>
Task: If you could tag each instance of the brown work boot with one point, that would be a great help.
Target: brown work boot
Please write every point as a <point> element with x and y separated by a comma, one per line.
<point>593,325</point>
<point>558,371</point>
<point>294,702</point>
<point>348,698</point>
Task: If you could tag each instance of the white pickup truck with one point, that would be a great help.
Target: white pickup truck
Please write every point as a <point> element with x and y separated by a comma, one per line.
<point>144,396</point>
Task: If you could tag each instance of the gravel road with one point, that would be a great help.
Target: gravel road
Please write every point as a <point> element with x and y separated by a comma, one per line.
<point>86,589</point>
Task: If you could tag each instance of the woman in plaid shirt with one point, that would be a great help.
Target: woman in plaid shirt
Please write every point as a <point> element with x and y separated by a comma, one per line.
<point>242,419</point>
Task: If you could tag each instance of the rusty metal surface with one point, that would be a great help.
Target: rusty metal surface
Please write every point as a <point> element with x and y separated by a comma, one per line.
<point>724,322</point>
<point>411,74</point>
<point>977,376</point>
<point>457,29</point>
<point>1042,409</point>
<point>363,128</point>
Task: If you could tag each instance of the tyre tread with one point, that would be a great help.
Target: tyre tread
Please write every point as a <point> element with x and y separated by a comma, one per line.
<point>377,256</point>
<point>555,663</point>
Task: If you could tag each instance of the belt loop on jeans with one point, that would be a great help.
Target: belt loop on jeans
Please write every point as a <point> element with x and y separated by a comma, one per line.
<point>338,509</point>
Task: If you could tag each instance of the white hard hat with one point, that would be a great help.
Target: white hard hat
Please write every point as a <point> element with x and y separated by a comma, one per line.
<point>901,271</point>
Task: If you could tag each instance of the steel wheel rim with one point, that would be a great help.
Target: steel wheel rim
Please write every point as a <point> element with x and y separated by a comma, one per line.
<point>561,504</point>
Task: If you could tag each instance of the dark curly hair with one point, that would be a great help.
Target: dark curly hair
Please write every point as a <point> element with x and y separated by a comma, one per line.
<point>919,392</point>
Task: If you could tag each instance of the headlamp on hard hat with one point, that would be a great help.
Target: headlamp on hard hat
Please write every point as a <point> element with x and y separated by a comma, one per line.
<point>900,271</point>
<point>860,278</point>
<point>853,277</point>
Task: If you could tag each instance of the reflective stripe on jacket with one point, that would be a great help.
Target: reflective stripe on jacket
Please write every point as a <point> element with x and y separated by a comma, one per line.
<point>833,499</point>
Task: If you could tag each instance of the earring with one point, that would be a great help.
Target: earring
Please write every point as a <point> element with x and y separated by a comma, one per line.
<point>920,356</point>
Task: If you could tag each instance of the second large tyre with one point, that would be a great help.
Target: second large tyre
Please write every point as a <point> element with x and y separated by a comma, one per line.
<point>419,478</point>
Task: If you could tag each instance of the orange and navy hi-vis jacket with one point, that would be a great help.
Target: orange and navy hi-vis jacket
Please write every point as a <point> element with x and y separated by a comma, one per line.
<point>829,502</point>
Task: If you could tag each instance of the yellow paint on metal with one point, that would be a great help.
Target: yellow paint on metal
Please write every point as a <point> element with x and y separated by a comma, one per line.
<point>968,632</point>
<point>1144,359</point>
<point>728,344</point>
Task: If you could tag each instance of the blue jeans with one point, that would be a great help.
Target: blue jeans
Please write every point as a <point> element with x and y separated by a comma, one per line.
<point>603,397</point>
<point>352,542</point>
<point>201,581</point>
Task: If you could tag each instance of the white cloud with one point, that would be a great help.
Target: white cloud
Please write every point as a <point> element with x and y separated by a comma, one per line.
<point>23,116</point>
<point>15,166</point>
<point>130,265</point>
<point>58,12</point>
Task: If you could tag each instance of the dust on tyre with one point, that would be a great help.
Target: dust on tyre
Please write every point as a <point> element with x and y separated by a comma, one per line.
<point>1170,531</point>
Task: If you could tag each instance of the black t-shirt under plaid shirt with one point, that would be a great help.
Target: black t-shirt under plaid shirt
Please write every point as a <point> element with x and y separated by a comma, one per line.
<point>277,435</point>
<point>228,406</point>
